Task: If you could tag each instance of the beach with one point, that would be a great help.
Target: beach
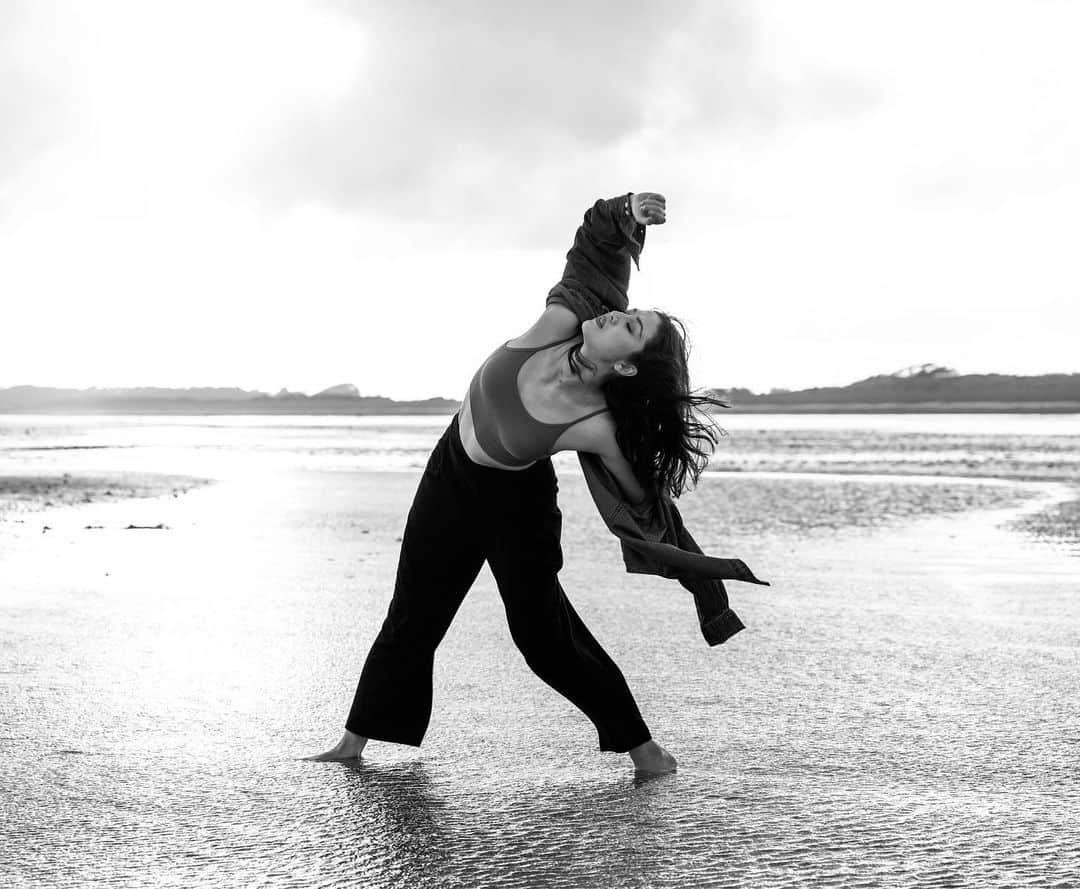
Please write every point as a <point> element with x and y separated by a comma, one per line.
<point>899,710</point>
<point>21,495</point>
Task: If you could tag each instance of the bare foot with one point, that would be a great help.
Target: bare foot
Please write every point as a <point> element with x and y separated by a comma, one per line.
<point>652,758</point>
<point>348,748</point>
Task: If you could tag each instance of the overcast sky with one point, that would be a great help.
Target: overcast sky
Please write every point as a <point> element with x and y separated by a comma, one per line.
<point>301,194</point>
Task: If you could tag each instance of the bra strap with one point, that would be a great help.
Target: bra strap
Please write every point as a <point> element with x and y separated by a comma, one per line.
<point>586,417</point>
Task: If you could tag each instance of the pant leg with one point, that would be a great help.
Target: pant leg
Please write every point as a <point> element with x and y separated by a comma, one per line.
<point>525,557</point>
<point>441,554</point>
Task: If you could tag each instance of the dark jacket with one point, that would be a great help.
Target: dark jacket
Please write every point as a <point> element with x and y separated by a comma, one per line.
<point>655,541</point>
<point>597,269</point>
<point>652,535</point>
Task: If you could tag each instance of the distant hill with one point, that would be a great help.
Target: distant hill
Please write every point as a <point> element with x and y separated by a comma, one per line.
<point>924,388</point>
<point>345,390</point>
<point>343,399</point>
<point>927,388</point>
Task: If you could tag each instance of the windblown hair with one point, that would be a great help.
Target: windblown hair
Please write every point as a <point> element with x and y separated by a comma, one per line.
<point>660,425</point>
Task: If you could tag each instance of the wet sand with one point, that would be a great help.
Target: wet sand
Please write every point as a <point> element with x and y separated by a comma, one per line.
<point>898,711</point>
<point>25,498</point>
<point>29,491</point>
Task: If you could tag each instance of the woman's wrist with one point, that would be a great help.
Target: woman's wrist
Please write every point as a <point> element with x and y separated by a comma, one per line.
<point>633,209</point>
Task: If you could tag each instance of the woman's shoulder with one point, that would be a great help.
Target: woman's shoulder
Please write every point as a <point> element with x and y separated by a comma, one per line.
<point>594,435</point>
<point>556,323</point>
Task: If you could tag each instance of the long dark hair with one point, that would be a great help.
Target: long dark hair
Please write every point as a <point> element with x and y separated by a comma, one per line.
<point>660,425</point>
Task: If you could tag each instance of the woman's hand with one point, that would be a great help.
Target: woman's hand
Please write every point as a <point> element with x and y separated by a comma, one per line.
<point>649,208</point>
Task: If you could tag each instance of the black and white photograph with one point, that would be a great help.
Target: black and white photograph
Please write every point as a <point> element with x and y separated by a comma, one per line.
<point>569,445</point>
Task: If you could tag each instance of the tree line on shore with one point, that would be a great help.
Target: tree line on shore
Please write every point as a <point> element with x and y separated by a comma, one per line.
<point>926,388</point>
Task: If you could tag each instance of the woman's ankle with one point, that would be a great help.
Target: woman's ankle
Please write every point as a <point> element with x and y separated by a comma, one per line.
<point>352,742</point>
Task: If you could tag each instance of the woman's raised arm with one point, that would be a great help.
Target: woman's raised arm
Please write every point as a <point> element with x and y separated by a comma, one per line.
<point>597,271</point>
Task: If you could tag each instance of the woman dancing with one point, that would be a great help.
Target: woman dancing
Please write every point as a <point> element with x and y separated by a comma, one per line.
<point>614,385</point>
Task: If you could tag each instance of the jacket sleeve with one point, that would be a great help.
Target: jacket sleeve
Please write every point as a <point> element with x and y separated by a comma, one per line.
<point>655,541</point>
<point>597,272</point>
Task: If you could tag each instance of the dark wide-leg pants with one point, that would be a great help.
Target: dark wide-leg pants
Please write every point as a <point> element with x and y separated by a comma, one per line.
<point>462,514</point>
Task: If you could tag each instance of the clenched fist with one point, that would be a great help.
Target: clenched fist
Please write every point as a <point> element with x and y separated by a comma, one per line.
<point>649,208</point>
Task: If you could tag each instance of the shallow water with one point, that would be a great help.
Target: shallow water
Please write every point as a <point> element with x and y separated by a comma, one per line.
<point>900,711</point>
<point>1029,445</point>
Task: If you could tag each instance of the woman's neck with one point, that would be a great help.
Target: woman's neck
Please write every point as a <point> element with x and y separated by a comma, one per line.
<point>562,374</point>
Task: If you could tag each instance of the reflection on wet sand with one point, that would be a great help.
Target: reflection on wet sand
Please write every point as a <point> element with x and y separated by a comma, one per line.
<point>406,827</point>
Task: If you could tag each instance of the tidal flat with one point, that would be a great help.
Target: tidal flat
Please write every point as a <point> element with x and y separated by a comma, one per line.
<point>899,710</point>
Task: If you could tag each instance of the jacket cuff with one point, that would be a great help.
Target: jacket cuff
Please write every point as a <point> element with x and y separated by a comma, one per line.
<point>722,627</point>
<point>632,231</point>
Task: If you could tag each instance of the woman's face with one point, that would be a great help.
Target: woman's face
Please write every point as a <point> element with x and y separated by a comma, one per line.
<point>616,336</point>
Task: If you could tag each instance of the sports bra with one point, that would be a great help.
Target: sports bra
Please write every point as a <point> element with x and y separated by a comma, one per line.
<point>507,432</point>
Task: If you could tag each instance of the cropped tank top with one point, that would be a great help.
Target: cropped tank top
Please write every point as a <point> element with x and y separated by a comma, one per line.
<point>507,432</point>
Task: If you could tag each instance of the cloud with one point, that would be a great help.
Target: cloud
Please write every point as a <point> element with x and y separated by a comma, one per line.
<point>478,119</point>
<point>36,108</point>
<point>462,122</point>
<point>456,99</point>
